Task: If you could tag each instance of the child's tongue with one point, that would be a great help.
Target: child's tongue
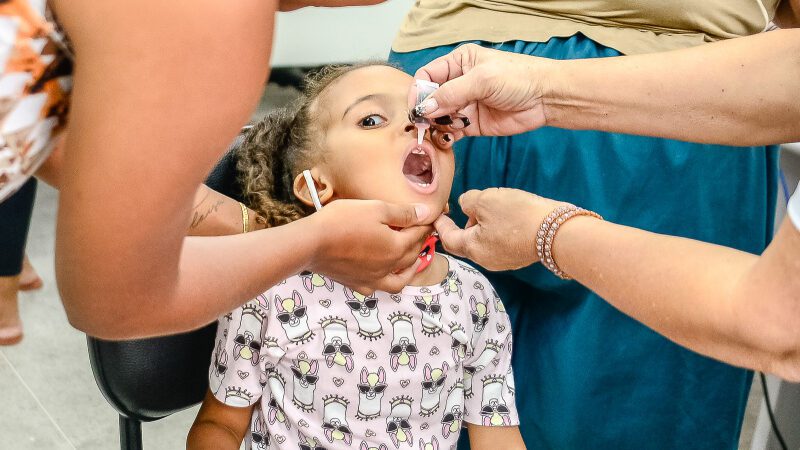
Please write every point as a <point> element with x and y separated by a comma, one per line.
<point>417,167</point>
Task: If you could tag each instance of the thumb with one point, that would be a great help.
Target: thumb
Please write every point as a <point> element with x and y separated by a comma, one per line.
<point>451,96</point>
<point>468,201</point>
<point>453,238</point>
<point>403,216</point>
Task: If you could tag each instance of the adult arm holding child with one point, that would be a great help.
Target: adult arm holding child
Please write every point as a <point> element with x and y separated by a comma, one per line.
<point>737,92</point>
<point>150,116</point>
<point>699,295</point>
<point>702,296</point>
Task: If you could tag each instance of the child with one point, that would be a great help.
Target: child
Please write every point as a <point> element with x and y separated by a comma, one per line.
<point>310,363</point>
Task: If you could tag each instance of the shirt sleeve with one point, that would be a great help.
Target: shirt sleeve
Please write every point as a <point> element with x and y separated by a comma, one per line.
<point>793,208</point>
<point>238,366</point>
<point>488,375</point>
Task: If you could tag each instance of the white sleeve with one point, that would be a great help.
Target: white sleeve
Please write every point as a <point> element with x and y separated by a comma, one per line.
<point>793,208</point>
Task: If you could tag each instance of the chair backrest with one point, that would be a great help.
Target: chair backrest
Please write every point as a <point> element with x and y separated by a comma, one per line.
<point>148,379</point>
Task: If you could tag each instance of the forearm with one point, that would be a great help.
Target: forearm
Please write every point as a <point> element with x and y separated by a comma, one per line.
<point>216,214</point>
<point>720,302</point>
<point>737,92</point>
<point>212,276</point>
<point>148,120</point>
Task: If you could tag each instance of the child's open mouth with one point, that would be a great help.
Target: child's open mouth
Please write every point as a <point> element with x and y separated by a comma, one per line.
<point>419,168</point>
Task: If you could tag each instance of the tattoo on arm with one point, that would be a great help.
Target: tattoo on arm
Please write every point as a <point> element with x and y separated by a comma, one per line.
<point>199,217</point>
<point>207,193</point>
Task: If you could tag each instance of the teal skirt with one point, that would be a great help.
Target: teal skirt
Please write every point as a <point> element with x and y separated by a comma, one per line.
<point>589,377</point>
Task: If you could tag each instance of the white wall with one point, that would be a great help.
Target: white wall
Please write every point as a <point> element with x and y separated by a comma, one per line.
<point>313,36</point>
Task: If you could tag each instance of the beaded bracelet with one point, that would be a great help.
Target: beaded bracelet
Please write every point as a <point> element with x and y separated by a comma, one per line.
<point>547,234</point>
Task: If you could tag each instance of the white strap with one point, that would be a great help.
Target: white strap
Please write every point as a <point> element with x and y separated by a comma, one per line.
<point>793,208</point>
<point>312,189</point>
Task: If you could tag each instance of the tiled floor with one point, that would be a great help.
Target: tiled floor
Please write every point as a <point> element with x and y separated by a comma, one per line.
<point>48,397</point>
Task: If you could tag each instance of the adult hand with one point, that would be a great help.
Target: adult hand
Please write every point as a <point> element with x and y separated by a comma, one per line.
<point>501,230</point>
<point>500,92</point>
<point>369,244</point>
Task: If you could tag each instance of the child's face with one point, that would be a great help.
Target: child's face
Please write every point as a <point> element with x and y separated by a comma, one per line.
<point>370,146</point>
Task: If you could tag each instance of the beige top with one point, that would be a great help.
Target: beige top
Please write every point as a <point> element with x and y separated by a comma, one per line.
<point>629,26</point>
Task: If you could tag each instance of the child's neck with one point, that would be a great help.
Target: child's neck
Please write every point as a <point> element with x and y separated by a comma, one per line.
<point>433,274</point>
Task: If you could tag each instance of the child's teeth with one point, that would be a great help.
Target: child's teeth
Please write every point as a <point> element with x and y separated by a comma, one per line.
<point>418,151</point>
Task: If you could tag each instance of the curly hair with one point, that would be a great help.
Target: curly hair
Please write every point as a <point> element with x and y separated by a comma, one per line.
<point>279,147</point>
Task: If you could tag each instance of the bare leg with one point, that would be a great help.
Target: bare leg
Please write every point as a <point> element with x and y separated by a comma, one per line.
<point>29,280</point>
<point>10,323</point>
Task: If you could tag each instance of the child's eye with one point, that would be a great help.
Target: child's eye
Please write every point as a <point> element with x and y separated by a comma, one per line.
<point>371,121</point>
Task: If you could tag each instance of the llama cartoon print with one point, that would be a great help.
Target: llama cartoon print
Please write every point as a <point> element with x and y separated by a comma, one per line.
<point>403,351</point>
<point>431,314</point>
<point>309,443</point>
<point>488,354</point>
<point>370,393</point>
<point>237,396</point>
<point>453,410</point>
<point>460,344</point>
<point>365,446</point>
<point>271,352</point>
<point>313,281</point>
<point>479,313</point>
<point>291,313</point>
<point>365,311</point>
<point>277,388</point>
<point>432,445</point>
<point>247,343</point>
<point>336,347</point>
<point>219,368</point>
<point>397,425</point>
<point>334,420</point>
<point>494,411</point>
<point>305,382</point>
<point>452,284</point>
<point>432,387</point>
<point>259,435</point>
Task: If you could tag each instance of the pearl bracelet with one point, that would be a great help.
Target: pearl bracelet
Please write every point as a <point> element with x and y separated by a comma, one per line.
<point>547,234</point>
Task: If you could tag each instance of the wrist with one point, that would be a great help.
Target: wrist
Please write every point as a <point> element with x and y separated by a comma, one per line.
<point>556,93</point>
<point>552,230</point>
<point>314,236</point>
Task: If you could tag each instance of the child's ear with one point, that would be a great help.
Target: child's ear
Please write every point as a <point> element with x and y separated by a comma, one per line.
<point>321,182</point>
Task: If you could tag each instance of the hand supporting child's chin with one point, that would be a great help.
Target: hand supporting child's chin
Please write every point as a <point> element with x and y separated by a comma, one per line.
<point>500,233</point>
<point>356,245</point>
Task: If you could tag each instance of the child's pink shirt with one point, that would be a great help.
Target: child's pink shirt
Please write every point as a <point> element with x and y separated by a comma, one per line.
<point>330,368</point>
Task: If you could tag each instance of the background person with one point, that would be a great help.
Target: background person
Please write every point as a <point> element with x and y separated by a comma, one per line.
<point>586,359</point>
<point>158,92</point>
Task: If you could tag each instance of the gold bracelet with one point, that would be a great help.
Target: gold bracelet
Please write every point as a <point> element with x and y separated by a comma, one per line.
<point>547,234</point>
<point>245,218</point>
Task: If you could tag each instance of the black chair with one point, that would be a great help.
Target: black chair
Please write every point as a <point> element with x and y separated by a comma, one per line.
<point>138,377</point>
